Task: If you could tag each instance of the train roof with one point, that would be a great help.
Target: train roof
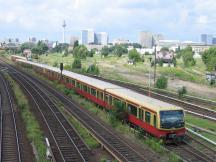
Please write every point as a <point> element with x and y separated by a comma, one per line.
<point>19,57</point>
<point>121,92</point>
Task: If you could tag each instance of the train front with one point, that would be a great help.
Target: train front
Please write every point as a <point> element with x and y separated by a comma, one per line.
<point>172,124</point>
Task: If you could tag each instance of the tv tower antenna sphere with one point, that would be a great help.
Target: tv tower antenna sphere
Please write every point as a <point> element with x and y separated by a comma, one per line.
<point>64,24</point>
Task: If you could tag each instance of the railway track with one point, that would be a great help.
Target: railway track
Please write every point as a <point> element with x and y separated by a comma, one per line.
<point>189,150</point>
<point>193,150</point>
<point>10,149</point>
<point>202,110</point>
<point>69,144</point>
<point>118,147</point>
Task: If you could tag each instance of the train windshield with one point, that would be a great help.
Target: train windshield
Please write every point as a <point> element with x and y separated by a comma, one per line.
<point>172,119</point>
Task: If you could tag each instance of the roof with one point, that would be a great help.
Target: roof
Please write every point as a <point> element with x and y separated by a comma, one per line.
<point>19,57</point>
<point>127,94</point>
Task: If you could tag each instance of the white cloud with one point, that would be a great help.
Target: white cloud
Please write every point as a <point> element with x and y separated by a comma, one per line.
<point>169,16</point>
<point>202,20</point>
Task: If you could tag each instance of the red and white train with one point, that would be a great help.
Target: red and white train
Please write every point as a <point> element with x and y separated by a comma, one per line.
<point>160,119</point>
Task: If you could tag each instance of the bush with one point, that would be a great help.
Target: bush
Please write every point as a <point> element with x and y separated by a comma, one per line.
<point>77,64</point>
<point>93,69</point>
<point>209,58</point>
<point>55,64</point>
<point>80,52</point>
<point>105,51</point>
<point>134,55</point>
<point>161,62</point>
<point>212,82</point>
<point>162,82</point>
<point>182,92</point>
<point>187,56</point>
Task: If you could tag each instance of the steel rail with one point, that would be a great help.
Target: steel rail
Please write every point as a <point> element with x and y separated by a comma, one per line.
<point>57,119</point>
<point>11,132</point>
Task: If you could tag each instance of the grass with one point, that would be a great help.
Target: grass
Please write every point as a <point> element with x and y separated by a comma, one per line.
<point>34,133</point>
<point>202,123</point>
<point>117,68</point>
<point>86,136</point>
<point>125,130</point>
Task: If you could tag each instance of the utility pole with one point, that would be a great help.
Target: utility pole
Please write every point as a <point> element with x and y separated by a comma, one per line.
<point>155,64</point>
<point>150,60</point>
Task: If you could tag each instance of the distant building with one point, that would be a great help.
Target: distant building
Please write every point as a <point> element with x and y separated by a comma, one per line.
<point>146,39</point>
<point>94,46</point>
<point>87,36</point>
<point>165,56</point>
<point>197,48</point>
<point>214,41</point>
<point>120,41</point>
<point>101,38</point>
<point>27,53</point>
<point>73,39</point>
<point>157,38</point>
<point>11,40</point>
<point>207,39</point>
<point>32,40</point>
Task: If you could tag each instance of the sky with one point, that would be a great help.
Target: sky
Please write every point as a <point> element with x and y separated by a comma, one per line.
<point>175,19</point>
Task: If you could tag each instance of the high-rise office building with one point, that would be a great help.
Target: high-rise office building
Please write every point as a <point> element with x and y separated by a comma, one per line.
<point>214,40</point>
<point>101,38</point>
<point>32,39</point>
<point>207,39</point>
<point>87,36</point>
<point>146,39</point>
<point>157,38</point>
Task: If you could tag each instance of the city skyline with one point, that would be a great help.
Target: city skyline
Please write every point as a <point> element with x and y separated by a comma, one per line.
<point>123,19</point>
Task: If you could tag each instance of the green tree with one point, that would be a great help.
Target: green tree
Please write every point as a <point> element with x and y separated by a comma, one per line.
<point>105,51</point>
<point>93,69</point>
<point>91,52</point>
<point>209,59</point>
<point>161,62</point>
<point>77,64</point>
<point>182,91</point>
<point>119,50</point>
<point>26,45</point>
<point>136,45</point>
<point>187,56</point>
<point>80,52</point>
<point>60,47</point>
<point>162,82</point>
<point>134,55</point>
<point>76,44</point>
<point>40,48</point>
<point>165,49</point>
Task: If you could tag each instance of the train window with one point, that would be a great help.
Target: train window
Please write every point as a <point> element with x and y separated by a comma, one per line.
<point>100,95</point>
<point>93,91</point>
<point>106,99</point>
<point>119,103</point>
<point>73,81</point>
<point>147,117</point>
<point>78,85</point>
<point>67,80</point>
<point>132,109</point>
<point>85,88</point>
<point>155,121</point>
<point>140,114</point>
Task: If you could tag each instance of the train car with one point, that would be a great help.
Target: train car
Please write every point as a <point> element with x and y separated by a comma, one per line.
<point>155,117</point>
<point>15,57</point>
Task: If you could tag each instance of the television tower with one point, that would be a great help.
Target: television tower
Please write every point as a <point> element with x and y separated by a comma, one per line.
<point>63,36</point>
